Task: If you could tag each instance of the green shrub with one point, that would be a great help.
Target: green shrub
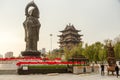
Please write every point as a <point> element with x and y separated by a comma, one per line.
<point>46,66</point>
<point>36,69</point>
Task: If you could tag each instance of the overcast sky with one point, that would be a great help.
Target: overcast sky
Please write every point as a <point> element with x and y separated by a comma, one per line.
<point>98,20</point>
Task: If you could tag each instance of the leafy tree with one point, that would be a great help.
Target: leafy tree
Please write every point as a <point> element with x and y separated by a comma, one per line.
<point>67,53</point>
<point>95,52</point>
<point>117,47</point>
<point>77,50</point>
<point>103,54</point>
<point>117,50</point>
<point>89,52</point>
<point>74,52</point>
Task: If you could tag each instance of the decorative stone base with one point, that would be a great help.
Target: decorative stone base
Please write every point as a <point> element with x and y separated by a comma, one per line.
<point>31,53</point>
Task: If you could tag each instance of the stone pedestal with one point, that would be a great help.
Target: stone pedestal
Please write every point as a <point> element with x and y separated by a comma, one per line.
<point>31,53</point>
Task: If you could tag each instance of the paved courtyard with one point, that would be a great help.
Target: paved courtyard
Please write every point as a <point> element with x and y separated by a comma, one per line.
<point>54,76</point>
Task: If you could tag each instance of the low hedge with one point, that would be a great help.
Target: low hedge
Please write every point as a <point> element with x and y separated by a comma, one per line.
<point>46,66</point>
<point>36,69</point>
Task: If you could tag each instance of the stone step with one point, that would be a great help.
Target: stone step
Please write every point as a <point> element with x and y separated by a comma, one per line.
<point>8,72</point>
<point>8,67</point>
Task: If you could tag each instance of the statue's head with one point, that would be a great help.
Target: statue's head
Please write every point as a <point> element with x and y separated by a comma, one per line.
<point>33,12</point>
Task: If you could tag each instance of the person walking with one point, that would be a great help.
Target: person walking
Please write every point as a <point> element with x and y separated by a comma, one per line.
<point>117,70</point>
<point>102,69</point>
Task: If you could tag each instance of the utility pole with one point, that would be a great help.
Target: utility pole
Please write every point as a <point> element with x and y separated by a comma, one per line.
<point>51,42</point>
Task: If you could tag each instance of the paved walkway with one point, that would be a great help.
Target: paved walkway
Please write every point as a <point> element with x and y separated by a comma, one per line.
<point>54,76</point>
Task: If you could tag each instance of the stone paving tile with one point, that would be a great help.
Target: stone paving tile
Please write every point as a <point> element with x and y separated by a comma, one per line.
<point>59,77</point>
<point>98,77</point>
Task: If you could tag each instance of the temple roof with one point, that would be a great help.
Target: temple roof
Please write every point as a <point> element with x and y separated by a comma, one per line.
<point>69,34</point>
<point>70,27</point>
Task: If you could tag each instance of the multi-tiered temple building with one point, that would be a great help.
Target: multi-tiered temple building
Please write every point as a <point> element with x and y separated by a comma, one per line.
<point>69,37</point>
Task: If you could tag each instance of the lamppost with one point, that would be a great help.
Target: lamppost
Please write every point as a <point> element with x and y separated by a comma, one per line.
<point>51,42</point>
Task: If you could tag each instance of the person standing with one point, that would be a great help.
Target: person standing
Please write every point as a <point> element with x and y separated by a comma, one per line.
<point>117,70</point>
<point>102,69</point>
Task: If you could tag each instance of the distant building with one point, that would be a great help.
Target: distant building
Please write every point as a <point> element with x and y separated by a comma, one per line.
<point>1,56</point>
<point>8,54</point>
<point>69,37</point>
<point>43,51</point>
